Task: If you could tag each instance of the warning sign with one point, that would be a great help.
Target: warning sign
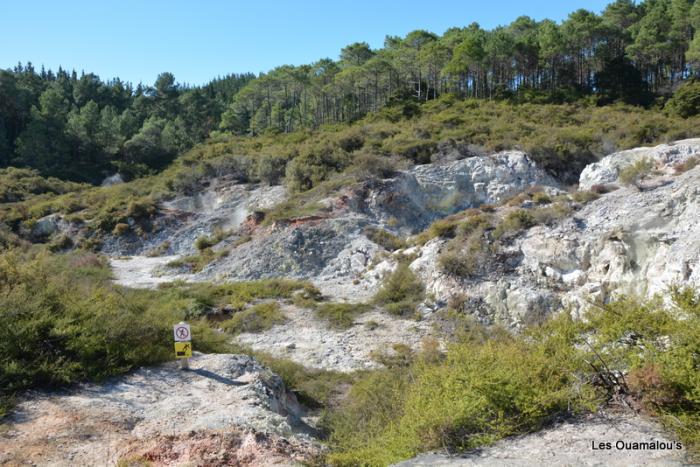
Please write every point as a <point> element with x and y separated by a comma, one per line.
<point>183,349</point>
<point>182,333</point>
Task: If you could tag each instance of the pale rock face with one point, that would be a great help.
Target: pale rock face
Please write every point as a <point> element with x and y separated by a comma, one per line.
<point>115,179</point>
<point>627,241</point>
<point>665,156</point>
<point>428,192</point>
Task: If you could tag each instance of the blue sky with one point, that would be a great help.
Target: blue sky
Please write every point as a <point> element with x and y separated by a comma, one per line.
<point>198,40</point>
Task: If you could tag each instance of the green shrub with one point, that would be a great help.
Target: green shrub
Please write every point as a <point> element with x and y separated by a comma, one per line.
<point>484,389</point>
<point>21,184</point>
<point>195,263</point>
<point>686,100</point>
<point>341,315</point>
<point>60,243</point>
<point>401,291</point>
<point>315,165</point>
<point>633,173</point>
<point>367,166</point>
<point>541,197</point>
<point>552,213</point>
<point>385,239</point>
<point>514,222</point>
<point>64,321</point>
<point>257,318</point>
<point>445,228</point>
<point>271,169</point>
<point>141,209</point>
<point>314,388</point>
<point>120,229</point>
<point>160,250</point>
<point>207,241</point>
<point>468,256</point>
<point>585,196</point>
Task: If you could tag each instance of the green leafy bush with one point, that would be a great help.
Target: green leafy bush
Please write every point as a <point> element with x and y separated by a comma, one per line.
<point>469,256</point>
<point>514,222</point>
<point>486,387</point>
<point>686,100</point>
<point>341,315</point>
<point>63,321</point>
<point>401,291</point>
<point>207,241</point>
<point>315,165</point>
<point>271,169</point>
<point>257,318</point>
<point>492,384</point>
<point>633,173</point>
<point>385,239</point>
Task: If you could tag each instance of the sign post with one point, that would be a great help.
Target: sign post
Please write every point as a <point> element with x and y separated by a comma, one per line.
<point>183,344</point>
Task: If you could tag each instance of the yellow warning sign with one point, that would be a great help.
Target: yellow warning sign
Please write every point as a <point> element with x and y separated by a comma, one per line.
<point>183,349</point>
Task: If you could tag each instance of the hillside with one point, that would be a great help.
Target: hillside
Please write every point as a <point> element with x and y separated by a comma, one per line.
<point>474,248</point>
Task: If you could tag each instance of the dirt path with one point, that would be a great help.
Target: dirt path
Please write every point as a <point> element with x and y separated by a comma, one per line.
<point>142,272</point>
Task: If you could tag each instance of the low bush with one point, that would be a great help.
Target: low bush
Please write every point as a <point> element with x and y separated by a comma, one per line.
<point>314,165</point>
<point>633,173</point>
<point>207,241</point>
<point>689,164</point>
<point>585,196</point>
<point>384,238</point>
<point>467,257</point>
<point>257,318</point>
<point>541,197</point>
<point>271,169</point>
<point>513,222</point>
<point>313,388</point>
<point>196,263</point>
<point>492,384</point>
<point>401,291</point>
<point>341,315</point>
<point>63,321</point>
<point>485,389</point>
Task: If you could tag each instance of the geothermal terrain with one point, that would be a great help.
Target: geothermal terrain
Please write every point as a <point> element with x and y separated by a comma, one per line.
<point>630,238</point>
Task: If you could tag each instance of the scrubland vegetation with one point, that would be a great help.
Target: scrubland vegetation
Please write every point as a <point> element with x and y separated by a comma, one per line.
<point>567,94</point>
<point>64,321</point>
<point>491,383</point>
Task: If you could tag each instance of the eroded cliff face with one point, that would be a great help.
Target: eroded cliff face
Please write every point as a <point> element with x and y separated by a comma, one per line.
<point>635,239</point>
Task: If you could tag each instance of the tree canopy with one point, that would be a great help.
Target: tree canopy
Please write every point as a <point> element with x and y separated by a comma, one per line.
<point>83,128</point>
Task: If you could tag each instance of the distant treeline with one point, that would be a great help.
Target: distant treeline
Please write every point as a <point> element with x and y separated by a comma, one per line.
<point>630,52</point>
<point>81,128</point>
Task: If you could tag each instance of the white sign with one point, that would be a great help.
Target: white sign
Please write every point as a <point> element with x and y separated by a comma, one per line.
<point>182,333</point>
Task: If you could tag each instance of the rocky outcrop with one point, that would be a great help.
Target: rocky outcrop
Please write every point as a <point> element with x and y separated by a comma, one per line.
<point>230,396</point>
<point>312,342</point>
<point>428,192</point>
<point>224,205</point>
<point>626,242</point>
<point>664,157</point>
<point>332,248</point>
